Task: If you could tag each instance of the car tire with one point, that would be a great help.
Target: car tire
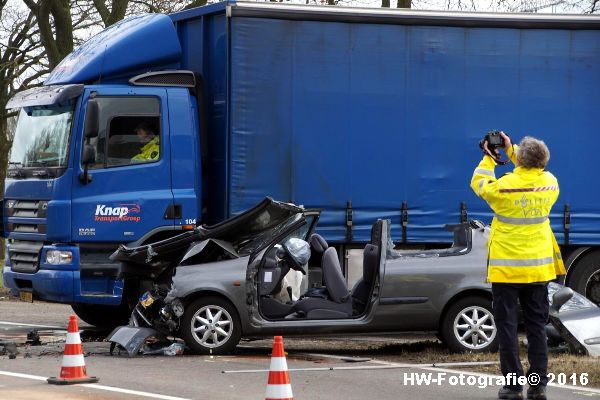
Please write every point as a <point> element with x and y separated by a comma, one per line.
<point>203,333</point>
<point>468,326</point>
<point>585,278</point>
<point>102,316</point>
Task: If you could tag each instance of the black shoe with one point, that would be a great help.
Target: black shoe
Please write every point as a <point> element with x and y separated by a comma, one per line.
<point>510,394</point>
<point>536,392</point>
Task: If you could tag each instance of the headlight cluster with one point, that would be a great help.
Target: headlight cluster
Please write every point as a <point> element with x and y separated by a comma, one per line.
<point>57,257</point>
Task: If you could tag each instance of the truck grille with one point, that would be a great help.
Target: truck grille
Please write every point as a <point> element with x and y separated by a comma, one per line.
<point>26,228</point>
<point>24,256</point>
<point>26,208</point>
<point>26,216</point>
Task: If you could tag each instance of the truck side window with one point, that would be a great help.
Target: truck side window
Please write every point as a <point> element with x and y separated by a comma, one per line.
<point>129,131</point>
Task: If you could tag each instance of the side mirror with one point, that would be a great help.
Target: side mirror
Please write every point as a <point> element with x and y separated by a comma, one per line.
<point>88,156</point>
<point>92,124</point>
<point>561,297</point>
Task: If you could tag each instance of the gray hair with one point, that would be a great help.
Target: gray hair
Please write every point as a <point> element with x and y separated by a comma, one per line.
<point>532,153</point>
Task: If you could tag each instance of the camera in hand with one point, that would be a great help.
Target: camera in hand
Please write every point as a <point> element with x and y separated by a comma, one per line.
<point>494,139</point>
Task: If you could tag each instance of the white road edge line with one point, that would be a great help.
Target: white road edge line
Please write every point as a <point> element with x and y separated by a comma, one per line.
<point>32,325</point>
<point>99,387</point>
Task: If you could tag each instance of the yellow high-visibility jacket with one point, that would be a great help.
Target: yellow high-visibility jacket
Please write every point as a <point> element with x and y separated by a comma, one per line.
<point>149,152</point>
<point>521,247</point>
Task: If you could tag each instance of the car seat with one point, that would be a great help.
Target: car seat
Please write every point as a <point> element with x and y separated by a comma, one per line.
<point>339,302</point>
<point>363,288</point>
<point>315,274</point>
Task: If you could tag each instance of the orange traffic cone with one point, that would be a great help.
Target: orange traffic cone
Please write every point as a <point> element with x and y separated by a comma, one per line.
<point>73,364</point>
<point>278,385</point>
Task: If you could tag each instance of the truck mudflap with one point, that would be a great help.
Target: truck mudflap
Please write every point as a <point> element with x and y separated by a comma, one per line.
<point>576,319</point>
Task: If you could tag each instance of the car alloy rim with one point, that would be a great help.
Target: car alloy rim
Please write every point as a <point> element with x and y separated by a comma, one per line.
<point>211,326</point>
<point>474,328</point>
<point>592,288</point>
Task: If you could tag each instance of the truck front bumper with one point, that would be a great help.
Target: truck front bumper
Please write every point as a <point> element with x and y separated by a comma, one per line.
<point>63,283</point>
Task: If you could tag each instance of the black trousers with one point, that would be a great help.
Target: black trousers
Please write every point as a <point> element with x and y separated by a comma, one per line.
<point>534,302</point>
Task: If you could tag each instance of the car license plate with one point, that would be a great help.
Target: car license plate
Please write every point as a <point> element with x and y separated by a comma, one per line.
<point>26,296</point>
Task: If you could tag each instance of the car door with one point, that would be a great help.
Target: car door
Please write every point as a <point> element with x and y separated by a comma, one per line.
<point>418,284</point>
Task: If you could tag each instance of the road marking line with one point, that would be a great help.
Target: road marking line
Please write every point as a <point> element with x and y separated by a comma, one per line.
<point>134,392</point>
<point>32,325</point>
<point>25,376</point>
<point>384,365</point>
<point>99,387</point>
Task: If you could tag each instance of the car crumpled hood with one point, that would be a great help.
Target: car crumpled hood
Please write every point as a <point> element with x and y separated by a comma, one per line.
<point>237,230</point>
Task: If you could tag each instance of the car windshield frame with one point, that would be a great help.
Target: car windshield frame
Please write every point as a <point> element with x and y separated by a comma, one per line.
<point>42,137</point>
<point>267,238</point>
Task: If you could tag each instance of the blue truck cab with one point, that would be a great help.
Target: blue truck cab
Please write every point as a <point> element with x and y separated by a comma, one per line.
<point>162,122</point>
<point>65,213</point>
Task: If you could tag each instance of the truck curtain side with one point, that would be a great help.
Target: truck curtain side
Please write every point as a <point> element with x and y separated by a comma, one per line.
<point>323,111</point>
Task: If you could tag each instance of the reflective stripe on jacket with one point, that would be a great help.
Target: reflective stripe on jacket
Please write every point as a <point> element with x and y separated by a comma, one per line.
<point>149,152</point>
<point>522,247</point>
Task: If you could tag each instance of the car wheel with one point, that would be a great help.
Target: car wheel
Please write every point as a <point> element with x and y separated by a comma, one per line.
<point>585,278</point>
<point>211,325</point>
<point>468,325</point>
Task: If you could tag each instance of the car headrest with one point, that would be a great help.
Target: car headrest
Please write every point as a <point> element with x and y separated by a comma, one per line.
<point>318,243</point>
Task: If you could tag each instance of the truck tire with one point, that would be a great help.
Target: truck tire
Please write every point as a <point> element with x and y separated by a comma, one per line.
<point>585,277</point>
<point>458,331</point>
<point>211,325</point>
<point>102,316</point>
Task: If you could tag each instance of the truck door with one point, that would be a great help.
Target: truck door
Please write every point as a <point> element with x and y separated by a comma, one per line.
<point>129,193</point>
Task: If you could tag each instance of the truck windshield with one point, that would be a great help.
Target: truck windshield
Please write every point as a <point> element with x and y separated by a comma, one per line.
<point>42,137</point>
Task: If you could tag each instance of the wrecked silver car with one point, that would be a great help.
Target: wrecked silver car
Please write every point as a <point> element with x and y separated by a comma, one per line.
<point>264,272</point>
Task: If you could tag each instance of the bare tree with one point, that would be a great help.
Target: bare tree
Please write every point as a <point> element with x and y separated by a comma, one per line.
<point>117,11</point>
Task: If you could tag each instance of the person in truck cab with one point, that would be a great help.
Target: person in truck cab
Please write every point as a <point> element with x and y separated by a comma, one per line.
<point>149,140</point>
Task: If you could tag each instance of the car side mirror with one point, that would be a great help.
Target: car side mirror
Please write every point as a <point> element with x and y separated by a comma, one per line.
<point>92,124</point>
<point>560,298</point>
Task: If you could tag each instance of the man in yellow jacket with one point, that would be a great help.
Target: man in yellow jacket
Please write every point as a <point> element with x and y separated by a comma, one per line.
<point>522,257</point>
<point>150,150</point>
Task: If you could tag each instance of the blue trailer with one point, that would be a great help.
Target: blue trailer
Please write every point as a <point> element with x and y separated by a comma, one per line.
<point>363,113</point>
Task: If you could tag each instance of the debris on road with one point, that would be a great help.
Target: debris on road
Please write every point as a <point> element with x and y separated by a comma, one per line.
<point>33,338</point>
<point>173,349</point>
<point>9,348</point>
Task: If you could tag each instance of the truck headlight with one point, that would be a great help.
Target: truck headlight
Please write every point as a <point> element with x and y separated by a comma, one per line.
<point>57,257</point>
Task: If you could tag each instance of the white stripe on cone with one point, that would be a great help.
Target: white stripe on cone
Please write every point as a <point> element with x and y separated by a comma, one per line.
<point>73,338</point>
<point>279,392</point>
<point>73,361</point>
<point>278,364</point>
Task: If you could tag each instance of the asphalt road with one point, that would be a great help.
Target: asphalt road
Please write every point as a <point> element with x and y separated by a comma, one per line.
<point>313,376</point>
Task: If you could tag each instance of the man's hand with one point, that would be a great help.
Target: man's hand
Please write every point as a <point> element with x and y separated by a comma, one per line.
<point>494,154</point>
<point>507,142</point>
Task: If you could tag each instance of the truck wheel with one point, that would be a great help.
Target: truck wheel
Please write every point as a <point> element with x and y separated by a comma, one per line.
<point>102,316</point>
<point>585,278</point>
<point>468,325</point>
<point>211,325</point>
